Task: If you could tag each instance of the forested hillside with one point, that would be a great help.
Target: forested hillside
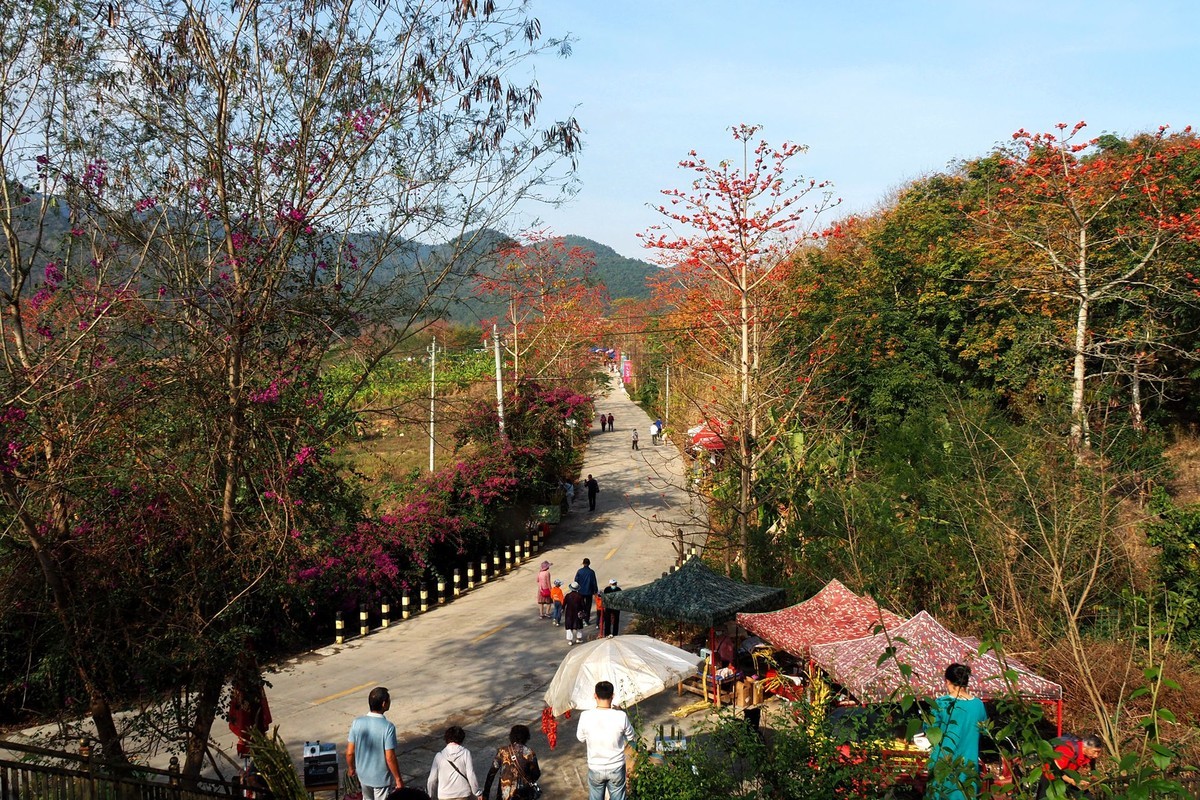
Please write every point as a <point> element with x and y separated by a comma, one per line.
<point>963,402</point>
<point>619,277</point>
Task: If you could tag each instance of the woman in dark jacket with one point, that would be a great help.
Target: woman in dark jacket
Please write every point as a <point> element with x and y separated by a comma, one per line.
<point>573,614</point>
<point>516,765</point>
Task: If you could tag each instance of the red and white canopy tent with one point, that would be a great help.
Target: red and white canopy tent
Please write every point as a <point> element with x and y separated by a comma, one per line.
<point>707,436</point>
<point>832,614</point>
<point>869,666</point>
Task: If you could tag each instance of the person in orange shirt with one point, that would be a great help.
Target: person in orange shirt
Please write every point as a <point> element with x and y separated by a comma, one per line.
<point>599,613</point>
<point>556,597</point>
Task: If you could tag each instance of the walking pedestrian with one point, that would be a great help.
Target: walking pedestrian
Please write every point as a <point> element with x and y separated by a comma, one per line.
<point>585,581</point>
<point>371,751</point>
<point>516,764</point>
<point>603,423</point>
<point>611,423</point>
<point>543,590</point>
<point>612,617</point>
<point>635,439</point>
<point>605,730</point>
<point>573,614</point>
<point>556,597</point>
<point>593,489</point>
<point>452,776</point>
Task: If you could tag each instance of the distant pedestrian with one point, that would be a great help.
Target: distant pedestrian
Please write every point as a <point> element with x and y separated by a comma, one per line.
<point>635,439</point>
<point>593,489</point>
<point>654,433</point>
<point>612,617</point>
<point>371,752</point>
<point>556,597</point>
<point>603,423</point>
<point>658,431</point>
<point>573,614</point>
<point>611,423</point>
<point>543,590</point>
<point>452,776</point>
<point>585,580</point>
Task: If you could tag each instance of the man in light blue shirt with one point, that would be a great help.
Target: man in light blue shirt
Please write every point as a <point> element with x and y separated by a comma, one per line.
<point>371,753</point>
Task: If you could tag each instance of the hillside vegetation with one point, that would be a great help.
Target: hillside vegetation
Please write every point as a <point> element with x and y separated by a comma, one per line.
<point>964,403</point>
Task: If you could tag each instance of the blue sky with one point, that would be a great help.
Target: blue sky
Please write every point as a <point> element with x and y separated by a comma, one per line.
<point>881,92</point>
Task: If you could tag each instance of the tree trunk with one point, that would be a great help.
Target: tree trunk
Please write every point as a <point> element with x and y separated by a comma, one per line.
<point>745,455</point>
<point>1135,390</point>
<point>208,694</point>
<point>1079,430</point>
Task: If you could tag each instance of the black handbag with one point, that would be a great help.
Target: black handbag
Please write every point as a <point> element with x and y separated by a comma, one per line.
<point>526,789</point>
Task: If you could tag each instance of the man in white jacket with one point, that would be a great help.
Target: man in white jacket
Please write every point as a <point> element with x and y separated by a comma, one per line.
<point>452,776</point>
<point>605,730</point>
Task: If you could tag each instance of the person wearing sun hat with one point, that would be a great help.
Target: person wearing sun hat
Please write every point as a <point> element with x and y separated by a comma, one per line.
<point>573,614</point>
<point>612,617</point>
<point>543,590</point>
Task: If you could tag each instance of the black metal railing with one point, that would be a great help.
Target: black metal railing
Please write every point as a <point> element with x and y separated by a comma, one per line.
<point>35,773</point>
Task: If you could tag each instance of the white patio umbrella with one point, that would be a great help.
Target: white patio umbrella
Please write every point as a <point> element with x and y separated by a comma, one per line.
<point>637,666</point>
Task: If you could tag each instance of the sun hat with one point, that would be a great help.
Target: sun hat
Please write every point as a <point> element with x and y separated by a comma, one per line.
<point>557,582</point>
<point>573,585</point>
<point>612,581</point>
<point>546,565</point>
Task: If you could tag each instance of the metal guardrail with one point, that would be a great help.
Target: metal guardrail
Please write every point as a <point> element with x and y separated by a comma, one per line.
<point>35,773</point>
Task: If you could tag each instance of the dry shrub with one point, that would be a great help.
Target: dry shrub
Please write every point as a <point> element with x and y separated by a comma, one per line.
<point>1117,668</point>
<point>1184,456</point>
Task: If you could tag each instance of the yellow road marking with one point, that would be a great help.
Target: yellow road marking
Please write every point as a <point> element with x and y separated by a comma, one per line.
<point>343,694</point>
<point>611,553</point>
<point>492,632</point>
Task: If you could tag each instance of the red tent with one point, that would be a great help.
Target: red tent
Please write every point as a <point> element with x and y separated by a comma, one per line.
<point>830,615</point>
<point>708,436</point>
<point>925,646</point>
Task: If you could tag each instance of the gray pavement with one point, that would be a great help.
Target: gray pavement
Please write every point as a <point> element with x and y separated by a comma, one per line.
<point>484,660</point>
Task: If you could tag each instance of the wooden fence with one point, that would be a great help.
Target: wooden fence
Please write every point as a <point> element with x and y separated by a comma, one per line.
<point>34,773</point>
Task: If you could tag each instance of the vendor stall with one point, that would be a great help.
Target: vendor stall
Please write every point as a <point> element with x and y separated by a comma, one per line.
<point>697,595</point>
<point>869,667</point>
<point>833,614</point>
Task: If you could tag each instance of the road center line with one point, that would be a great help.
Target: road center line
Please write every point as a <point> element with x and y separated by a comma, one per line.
<point>611,553</point>
<point>492,632</point>
<point>340,695</point>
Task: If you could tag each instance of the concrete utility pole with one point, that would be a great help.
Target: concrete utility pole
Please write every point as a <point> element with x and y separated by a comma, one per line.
<point>433,348</point>
<point>499,379</point>
<point>667,413</point>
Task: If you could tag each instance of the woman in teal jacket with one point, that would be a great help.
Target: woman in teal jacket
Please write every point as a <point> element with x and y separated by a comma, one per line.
<point>954,759</point>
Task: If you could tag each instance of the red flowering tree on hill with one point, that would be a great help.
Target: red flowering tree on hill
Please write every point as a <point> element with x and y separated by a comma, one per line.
<point>1090,228</point>
<point>728,241</point>
<point>553,305</point>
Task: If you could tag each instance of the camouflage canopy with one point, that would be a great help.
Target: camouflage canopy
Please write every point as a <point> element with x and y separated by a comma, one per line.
<point>697,595</point>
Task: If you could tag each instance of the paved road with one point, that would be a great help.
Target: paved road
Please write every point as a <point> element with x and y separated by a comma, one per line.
<point>484,660</point>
